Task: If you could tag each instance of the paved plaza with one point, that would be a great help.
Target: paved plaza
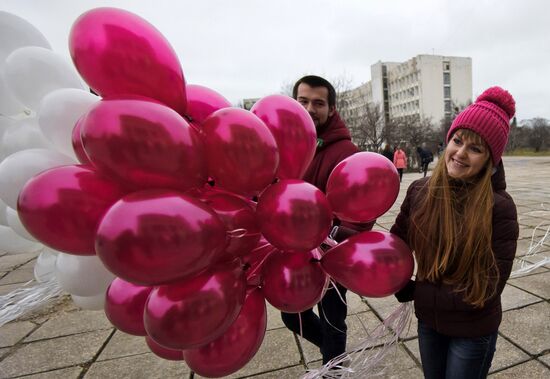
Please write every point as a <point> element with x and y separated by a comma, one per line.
<point>62,341</point>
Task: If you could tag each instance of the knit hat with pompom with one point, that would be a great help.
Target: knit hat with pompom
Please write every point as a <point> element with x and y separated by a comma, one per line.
<point>489,117</point>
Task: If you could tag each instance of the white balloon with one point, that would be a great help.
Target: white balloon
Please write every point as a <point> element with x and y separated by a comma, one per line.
<point>16,32</point>
<point>19,167</point>
<point>15,224</point>
<point>59,112</point>
<point>3,213</point>
<point>25,134</point>
<point>5,123</point>
<point>8,104</point>
<point>11,242</point>
<point>82,275</point>
<point>44,268</point>
<point>33,72</point>
<point>91,303</point>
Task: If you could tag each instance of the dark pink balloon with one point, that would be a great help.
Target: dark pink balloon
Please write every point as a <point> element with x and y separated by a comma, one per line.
<point>237,346</point>
<point>294,215</point>
<point>196,311</point>
<point>164,352</point>
<point>77,143</point>
<point>239,218</point>
<point>125,305</point>
<point>242,154</point>
<point>362,187</point>
<point>62,207</point>
<point>294,282</point>
<point>118,53</point>
<point>144,144</point>
<point>203,101</point>
<point>372,264</point>
<point>157,236</point>
<point>294,131</point>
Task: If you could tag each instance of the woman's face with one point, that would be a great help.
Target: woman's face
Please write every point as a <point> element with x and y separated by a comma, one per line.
<point>465,157</point>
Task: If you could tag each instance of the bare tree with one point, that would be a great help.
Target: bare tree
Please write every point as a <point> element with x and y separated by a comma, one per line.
<point>368,127</point>
<point>539,135</point>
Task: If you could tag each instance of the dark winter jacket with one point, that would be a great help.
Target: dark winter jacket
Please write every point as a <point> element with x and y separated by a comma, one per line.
<point>437,305</point>
<point>334,145</point>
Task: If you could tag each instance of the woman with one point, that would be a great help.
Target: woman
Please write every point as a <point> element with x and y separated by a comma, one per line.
<point>400,161</point>
<point>462,226</point>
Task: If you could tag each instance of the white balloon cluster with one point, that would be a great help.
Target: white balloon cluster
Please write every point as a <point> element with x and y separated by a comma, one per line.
<point>41,99</point>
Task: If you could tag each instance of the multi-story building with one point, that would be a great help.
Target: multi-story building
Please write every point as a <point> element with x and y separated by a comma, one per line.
<point>426,86</point>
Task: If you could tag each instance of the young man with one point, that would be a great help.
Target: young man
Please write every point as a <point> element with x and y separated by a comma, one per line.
<point>318,97</point>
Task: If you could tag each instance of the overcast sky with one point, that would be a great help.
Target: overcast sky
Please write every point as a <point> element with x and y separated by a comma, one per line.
<point>246,48</point>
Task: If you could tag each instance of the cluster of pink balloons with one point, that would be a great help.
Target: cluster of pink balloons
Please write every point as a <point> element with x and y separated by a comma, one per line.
<point>195,261</point>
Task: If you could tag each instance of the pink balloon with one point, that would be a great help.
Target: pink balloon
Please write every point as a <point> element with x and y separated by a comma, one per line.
<point>77,143</point>
<point>294,282</point>
<point>242,154</point>
<point>196,311</point>
<point>237,346</point>
<point>372,264</point>
<point>294,215</point>
<point>118,54</point>
<point>144,144</point>
<point>125,305</point>
<point>239,218</point>
<point>164,352</point>
<point>203,101</point>
<point>158,236</point>
<point>294,131</point>
<point>362,187</point>
<point>61,207</point>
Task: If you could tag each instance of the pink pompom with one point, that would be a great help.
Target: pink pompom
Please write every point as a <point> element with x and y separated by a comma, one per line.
<point>501,98</point>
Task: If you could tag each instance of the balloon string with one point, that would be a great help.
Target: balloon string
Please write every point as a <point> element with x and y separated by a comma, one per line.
<point>330,242</point>
<point>258,266</point>
<point>333,284</point>
<point>240,233</point>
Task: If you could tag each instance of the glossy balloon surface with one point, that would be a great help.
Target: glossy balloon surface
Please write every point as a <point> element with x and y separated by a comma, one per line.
<point>294,131</point>
<point>203,101</point>
<point>144,144</point>
<point>198,310</point>
<point>157,236</point>
<point>362,187</point>
<point>125,306</point>
<point>294,215</point>
<point>237,346</point>
<point>118,53</point>
<point>239,218</point>
<point>293,282</point>
<point>372,264</point>
<point>242,154</point>
<point>62,207</point>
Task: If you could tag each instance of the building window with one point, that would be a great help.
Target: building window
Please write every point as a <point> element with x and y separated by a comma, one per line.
<point>446,66</point>
<point>447,105</point>
<point>446,78</point>
<point>447,92</point>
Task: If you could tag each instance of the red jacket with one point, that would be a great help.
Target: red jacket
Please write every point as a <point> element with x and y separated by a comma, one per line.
<point>438,305</point>
<point>400,159</point>
<point>333,146</point>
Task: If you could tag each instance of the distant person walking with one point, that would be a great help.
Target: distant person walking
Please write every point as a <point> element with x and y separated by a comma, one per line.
<point>387,152</point>
<point>425,156</point>
<point>400,161</point>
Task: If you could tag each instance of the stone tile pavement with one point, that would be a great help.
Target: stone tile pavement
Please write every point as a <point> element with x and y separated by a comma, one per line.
<point>62,341</point>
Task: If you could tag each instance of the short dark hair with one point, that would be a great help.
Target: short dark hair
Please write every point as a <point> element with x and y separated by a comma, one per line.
<point>316,81</point>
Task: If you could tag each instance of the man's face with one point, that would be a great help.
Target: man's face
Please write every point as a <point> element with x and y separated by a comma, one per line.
<point>315,101</point>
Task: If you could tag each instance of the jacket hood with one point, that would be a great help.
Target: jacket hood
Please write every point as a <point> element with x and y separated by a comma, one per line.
<point>498,180</point>
<point>334,130</point>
